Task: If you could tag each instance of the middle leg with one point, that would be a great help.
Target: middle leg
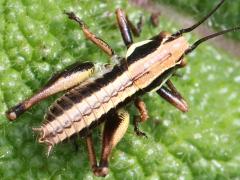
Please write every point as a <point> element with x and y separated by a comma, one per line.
<point>89,35</point>
<point>140,105</point>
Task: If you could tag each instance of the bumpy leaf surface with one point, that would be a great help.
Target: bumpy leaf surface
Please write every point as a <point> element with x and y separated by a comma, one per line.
<point>36,40</point>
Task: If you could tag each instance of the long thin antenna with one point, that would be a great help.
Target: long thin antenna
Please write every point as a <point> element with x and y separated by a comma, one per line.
<point>182,31</point>
<point>197,43</point>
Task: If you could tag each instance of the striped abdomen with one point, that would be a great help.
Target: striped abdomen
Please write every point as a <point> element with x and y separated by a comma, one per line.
<point>84,105</point>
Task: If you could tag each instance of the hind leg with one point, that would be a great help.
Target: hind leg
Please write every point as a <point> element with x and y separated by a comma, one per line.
<point>114,129</point>
<point>68,78</point>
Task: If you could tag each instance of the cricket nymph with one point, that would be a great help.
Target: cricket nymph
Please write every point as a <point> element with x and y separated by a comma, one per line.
<point>87,102</point>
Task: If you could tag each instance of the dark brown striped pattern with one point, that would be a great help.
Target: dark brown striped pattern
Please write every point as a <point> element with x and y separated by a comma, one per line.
<point>84,105</point>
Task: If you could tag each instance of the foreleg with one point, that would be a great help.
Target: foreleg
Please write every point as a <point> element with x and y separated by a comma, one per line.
<point>172,96</point>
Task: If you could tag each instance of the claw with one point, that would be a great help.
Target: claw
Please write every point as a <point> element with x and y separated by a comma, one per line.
<point>101,171</point>
<point>140,133</point>
<point>72,15</point>
<point>136,129</point>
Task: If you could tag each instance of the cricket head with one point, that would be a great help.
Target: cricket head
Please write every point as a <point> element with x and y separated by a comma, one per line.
<point>148,60</point>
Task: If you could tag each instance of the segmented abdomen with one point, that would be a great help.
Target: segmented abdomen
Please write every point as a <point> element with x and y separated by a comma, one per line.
<point>84,105</point>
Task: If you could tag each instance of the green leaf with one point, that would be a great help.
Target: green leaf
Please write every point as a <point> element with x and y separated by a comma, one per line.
<point>37,39</point>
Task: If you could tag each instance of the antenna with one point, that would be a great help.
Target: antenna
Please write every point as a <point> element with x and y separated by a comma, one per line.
<point>197,43</point>
<point>182,31</point>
